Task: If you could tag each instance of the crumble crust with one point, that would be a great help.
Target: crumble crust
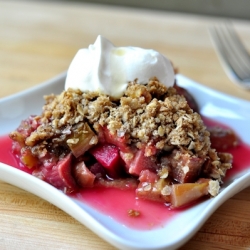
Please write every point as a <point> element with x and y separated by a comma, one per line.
<point>147,114</point>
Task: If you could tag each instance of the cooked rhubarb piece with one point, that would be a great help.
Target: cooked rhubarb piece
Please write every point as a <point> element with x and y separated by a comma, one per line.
<point>185,167</point>
<point>58,174</point>
<point>183,194</point>
<point>148,176</point>
<point>65,173</point>
<point>81,139</point>
<point>119,140</point>
<point>23,131</point>
<point>152,187</point>
<point>83,175</point>
<point>28,159</point>
<point>223,138</point>
<point>137,162</point>
<point>108,156</point>
<point>98,170</point>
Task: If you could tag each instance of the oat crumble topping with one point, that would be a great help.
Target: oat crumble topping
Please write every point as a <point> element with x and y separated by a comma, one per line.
<point>146,114</point>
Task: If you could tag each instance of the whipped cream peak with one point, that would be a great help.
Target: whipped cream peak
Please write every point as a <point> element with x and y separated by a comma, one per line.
<point>108,69</point>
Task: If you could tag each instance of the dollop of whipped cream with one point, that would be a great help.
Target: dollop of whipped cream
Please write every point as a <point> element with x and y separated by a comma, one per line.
<point>108,69</point>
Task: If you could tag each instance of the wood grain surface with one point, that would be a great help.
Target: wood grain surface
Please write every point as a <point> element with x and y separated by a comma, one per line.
<point>38,40</point>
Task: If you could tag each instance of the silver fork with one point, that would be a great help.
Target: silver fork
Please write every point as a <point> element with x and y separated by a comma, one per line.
<point>232,54</point>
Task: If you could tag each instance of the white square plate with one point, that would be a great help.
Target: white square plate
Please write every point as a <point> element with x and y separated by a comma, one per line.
<point>220,107</point>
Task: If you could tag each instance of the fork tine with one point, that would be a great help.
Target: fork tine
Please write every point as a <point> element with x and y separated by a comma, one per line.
<point>238,48</point>
<point>232,51</point>
<point>223,51</point>
<point>234,36</point>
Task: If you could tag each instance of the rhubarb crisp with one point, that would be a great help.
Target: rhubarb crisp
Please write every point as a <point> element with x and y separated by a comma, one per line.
<point>149,139</point>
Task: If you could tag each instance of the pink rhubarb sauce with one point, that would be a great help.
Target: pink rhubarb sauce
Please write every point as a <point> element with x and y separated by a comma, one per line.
<point>117,203</point>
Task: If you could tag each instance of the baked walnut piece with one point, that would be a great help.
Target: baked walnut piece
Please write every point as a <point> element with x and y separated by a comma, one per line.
<point>150,137</point>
